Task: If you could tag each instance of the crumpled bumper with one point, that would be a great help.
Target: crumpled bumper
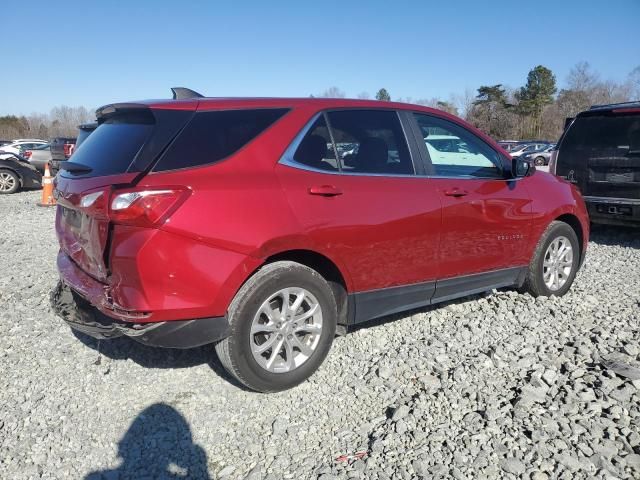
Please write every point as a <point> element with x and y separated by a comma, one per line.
<point>80,315</point>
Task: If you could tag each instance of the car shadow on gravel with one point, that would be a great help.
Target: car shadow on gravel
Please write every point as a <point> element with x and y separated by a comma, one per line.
<point>123,348</point>
<point>615,236</point>
<point>158,444</point>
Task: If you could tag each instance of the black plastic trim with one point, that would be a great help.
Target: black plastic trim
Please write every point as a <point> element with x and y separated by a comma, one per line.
<point>80,315</point>
<point>365,306</point>
<point>451,288</point>
<point>379,303</point>
<point>186,333</point>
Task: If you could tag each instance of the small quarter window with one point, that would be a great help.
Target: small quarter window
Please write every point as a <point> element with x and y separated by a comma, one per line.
<point>316,150</point>
<point>212,136</point>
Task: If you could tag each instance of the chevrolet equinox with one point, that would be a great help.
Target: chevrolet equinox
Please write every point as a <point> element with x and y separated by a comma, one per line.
<point>266,226</point>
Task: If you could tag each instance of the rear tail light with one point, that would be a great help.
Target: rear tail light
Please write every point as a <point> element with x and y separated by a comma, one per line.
<point>145,208</point>
<point>27,154</point>
<point>553,160</point>
<point>139,207</point>
<point>68,149</point>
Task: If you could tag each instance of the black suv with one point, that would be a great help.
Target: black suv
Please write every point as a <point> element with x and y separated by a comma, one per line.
<point>600,153</point>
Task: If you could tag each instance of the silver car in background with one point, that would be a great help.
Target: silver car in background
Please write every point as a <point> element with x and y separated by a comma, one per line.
<point>40,156</point>
<point>541,156</point>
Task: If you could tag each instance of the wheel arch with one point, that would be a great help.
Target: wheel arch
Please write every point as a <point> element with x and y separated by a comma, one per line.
<point>4,166</point>
<point>326,267</point>
<point>574,222</point>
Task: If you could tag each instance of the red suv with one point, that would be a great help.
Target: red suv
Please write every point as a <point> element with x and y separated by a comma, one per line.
<point>265,226</point>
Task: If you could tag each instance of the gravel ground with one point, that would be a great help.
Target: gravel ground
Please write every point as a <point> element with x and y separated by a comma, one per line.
<point>500,385</point>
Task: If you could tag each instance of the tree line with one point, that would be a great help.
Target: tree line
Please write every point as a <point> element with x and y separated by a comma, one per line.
<point>61,121</point>
<point>536,110</point>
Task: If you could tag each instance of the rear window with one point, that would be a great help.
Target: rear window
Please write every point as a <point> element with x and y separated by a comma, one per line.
<point>113,146</point>
<point>619,133</point>
<point>212,136</point>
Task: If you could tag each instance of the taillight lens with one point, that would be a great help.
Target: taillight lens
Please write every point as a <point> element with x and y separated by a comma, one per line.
<point>67,149</point>
<point>27,154</point>
<point>553,160</point>
<point>145,208</point>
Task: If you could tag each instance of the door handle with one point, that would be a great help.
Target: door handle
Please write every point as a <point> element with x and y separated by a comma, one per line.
<point>456,192</point>
<point>325,191</point>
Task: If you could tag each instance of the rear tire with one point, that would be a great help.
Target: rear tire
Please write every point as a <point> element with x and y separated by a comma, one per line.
<point>9,182</point>
<point>272,347</point>
<point>540,162</point>
<point>555,262</point>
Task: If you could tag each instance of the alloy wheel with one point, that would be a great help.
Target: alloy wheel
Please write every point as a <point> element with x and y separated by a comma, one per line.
<point>557,263</point>
<point>7,182</point>
<point>286,330</point>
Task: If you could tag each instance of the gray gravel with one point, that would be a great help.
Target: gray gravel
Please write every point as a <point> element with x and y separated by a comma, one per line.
<point>500,385</point>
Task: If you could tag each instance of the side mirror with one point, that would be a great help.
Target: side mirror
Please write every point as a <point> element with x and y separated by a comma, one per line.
<point>522,168</point>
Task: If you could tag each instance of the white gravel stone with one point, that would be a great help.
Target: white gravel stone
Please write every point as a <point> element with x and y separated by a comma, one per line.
<point>452,378</point>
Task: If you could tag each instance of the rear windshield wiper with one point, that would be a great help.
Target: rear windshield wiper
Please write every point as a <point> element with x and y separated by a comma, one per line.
<point>75,167</point>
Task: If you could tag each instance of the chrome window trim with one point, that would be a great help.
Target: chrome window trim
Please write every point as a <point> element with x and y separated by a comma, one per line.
<point>288,160</point>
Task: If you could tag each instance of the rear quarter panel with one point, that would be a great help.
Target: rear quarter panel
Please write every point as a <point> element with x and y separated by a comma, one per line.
<point>237,205</point>
<point>552,197</point>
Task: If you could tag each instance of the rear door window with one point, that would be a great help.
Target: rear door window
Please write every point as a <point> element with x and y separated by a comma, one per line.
<point>212,136</point>
<point>114,145</point>
<point>370,141</point>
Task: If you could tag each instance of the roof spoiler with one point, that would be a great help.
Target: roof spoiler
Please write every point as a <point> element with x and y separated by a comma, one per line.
<point>635,103</point>
<point>182,93</point>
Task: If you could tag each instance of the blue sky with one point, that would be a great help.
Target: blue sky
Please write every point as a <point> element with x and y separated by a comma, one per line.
<point>94,52</point>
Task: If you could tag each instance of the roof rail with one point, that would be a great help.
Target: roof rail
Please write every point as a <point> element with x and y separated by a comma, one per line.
<point>182,93</point>
<point>635,103</point>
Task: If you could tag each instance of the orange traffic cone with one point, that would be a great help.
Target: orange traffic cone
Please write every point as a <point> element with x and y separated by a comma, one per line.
<point>47,188</point>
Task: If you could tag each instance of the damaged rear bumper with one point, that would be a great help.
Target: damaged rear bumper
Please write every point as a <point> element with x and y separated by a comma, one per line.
<point>80,315</point>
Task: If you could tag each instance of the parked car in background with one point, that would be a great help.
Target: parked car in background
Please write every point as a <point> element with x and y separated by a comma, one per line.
<point>84,131</point>
<point>62,147</point>
<point>509,145</point>
<point>39,156</point>
<point>527,148</point>
<point>445,149</point>
<point>19,145</point>
<point>539,157</point>
<point>600,153</point>
<point>234,222</point>
<point>16,173</point>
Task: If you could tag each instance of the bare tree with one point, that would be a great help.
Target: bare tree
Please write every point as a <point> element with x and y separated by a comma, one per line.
<point>364,96</point>
<point>333,92</point>
<point>60,121</point>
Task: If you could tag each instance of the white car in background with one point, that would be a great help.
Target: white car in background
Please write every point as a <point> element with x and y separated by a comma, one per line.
<point>16,147</point>
<point>452,150</point>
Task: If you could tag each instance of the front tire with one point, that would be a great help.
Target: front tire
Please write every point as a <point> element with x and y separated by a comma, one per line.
<point>9,182</point>
<point>282,321</point>
<point>555,262</point>
<point>540,162</point>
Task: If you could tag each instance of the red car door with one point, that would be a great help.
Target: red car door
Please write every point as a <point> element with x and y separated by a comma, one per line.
<point>367,210</point>
<point>486,217</point>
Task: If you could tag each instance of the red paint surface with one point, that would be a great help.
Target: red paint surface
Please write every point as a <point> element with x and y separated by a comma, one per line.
<point>379,231</point>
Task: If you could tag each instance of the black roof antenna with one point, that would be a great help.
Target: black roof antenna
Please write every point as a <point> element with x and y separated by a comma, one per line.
<point>181,93</point>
